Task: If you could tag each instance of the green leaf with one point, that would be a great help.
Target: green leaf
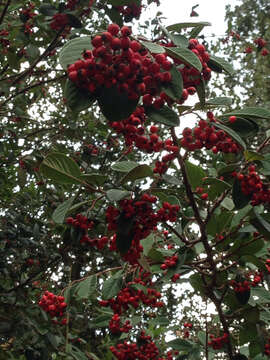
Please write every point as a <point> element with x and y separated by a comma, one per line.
<point>94,179</point>
<point>73,50</point>
<point>253,112</point>
<point>240,200</point>
<point>77,99</point>
<point>178,40</point>
<point>73,21</point>
<point>227,203</point>
<point>47,9</point>
<point>251,156</point>
<point>220,100</point>
<point>112,286</point>
<point>175,88</point>
<point>115,105</point>
<point>117,195</point>
<point>201,92</point>
<point>139,172</point>
<point>231,133</point>
<point>100,321</point>
<point>265,224</point>
<point>86,287</point>
<point>123,2</point>
<point>180,345</point>
<point>153,47</point>
<point>165,116</point>
<point>216,62</point>
<point>185,55</point>
<point>262,296</point>
<point>179,26</point>
<point>247,333</point>
<point>124,166</point>
<point>195,174</point>
<point>147,244</point>
<point>124,233</point>
<point>245,127</point>
<point>217,187</point>
<point>61,169</point>
<point>59,213</point>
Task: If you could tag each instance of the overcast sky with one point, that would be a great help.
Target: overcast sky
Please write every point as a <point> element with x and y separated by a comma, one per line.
<point>212,11</point>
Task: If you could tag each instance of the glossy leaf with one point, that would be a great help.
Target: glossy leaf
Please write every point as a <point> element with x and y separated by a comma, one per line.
<point>232,134</point>
<point>61,169</point>
<point>185,55</point>
<point>77,99</point>
<point>175,88</point>
<point>73,50</point>
<point>183,25</point>
<point>124,166</point>
<point>153,47</point>
<point>86,287</point>
<point>165,116</point>
<point>60,212</point>
<point>220,65</point>
<point>112,285</point>
<point>117,195</point>
<point>139,172</point>
<point>195,174</point>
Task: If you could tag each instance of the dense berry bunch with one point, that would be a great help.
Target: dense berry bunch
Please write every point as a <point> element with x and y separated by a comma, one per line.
<point>219,342</point>
<point>136,133</point>
<point>129,12</point>
<point>81,222</point>
<point>53,304</point>
<point>115,325</point>
<point>59,21</point>
<point>205,135</point>
<point>144,219</point>
<point>252,185</point>
<point>267,348</point>
<point>240,286</point>
<point>191,76</point>
<point>132,296</point>
<point>170,261</point>
<point>144,349</point>
<point>162,166</point>
<point>119,61</point>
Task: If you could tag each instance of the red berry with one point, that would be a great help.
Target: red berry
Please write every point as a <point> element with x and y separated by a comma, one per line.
<point>204,196</point>
<point>232,119</point>
<point>113,29</point>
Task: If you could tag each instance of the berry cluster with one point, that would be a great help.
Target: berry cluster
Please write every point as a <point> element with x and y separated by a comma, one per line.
<point>267,265</point>
<point>53,304</point>
<point>135,133</point>
<point>144,349</point>
<point>187,328</point>
<point>59,21</point>
<point>81,222</point>
<point>130,296</point>
<point>27,16</point>
<point>116,328</point>
<point>119,61</point>
<point>191,76</point>
<point>129,12</point>
<point>170,261</point>
<point>207,136</point>
<point>252,185</point>
<point>241,286</point>
<point>162,166</point>
<point>267,348</point>
<point>219,342</point>
<point>144,218</point>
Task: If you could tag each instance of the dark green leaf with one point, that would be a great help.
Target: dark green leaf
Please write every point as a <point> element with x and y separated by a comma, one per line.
<point>221,100</point>
<point>77,99</point>
<point>59,213</point>
<point>47,9</point>
<point>243,296</point>
<point>253,112</point>
<point>94,179</point>
<point>115,106</point>
<point>124,166</point>
<point>201,92</point>
<point>61,169</point>
<point>231,133</point>
<point>112,286</point>
<point>139,172</point>
<point>221,64</point>
<point>153,47</point>
<point>184,25</point>
<point>124,233</point>
<point>165,116</point>
<point>245,127</point>
<point>180,345</point>
<point>73,21</point>
<point>117,195</point>
<point>123,2</point>
<point>185,55</point>
<point>265,224</point>
<point>175,88</point>
<point>73,50</point>
<point>195,174</point>
<point>86,287</point>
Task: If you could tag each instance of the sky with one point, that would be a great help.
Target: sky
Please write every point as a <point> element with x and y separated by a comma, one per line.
<point>212,11</point>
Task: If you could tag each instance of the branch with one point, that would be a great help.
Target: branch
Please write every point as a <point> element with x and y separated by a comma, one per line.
<point>4,11</point>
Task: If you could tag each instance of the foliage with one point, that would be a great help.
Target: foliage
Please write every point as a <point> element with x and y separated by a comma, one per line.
<point>111,232</point>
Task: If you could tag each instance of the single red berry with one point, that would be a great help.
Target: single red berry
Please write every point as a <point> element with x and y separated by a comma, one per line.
<point>113,29</point>
<point>232,119</point>
<point>204,196</point>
